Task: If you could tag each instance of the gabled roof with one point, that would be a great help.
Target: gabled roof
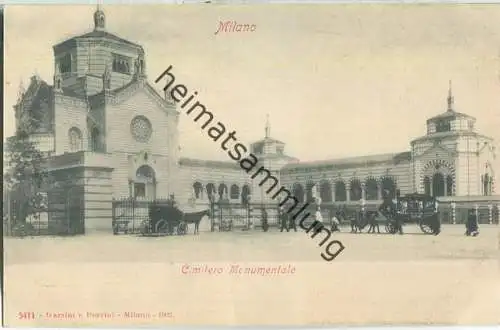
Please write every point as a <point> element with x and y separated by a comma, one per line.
<point>147,87</point>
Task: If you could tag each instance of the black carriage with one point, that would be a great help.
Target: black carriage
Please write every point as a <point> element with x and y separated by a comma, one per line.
<point>419,209</point>
<point>165,218</point>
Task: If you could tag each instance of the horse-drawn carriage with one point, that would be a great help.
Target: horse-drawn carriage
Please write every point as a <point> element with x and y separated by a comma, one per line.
<point>420,209</point>
<point>411,208</point>
<point>163,218</point>
<point>167,219</point>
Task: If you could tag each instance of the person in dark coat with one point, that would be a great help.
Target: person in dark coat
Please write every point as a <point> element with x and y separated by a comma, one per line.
<point>387,208</point>
<point>265,224</point>
<point>335,223</point>
<point>471,225</point>
<point>283,219</point>
<point>291,222</point>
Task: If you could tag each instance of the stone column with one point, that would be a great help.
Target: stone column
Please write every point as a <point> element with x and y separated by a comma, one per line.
<point>431,181</point>
<point>490,209</point>
<point>348,191</point>
<point>453,213</point>
<point>333,191</point>
<point>363,191</point>
<point>445,185</point>
<point>379,190</point>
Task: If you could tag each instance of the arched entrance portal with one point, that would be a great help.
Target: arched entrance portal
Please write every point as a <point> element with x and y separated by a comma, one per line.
<point>438,185</point>
<point>145,183</point>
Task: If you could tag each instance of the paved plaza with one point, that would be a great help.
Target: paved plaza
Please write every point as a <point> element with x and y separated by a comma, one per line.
<point>381,279</point>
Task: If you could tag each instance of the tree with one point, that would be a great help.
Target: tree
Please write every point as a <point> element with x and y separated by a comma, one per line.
<point>26,174</point>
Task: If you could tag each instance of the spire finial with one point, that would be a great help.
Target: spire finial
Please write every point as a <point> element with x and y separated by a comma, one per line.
<point>99,18</point>
<point>268,127</point>
<point>21,91</point>
<point>450,98</point>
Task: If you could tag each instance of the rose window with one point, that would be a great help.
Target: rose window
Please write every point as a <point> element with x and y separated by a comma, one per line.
<point>141,129</point>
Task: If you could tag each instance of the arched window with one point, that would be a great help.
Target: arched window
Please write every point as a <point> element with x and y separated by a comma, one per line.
<point>210,190</point>
<point>75,139</point>
<point>438,185</point>
<point>371,189</point>
<point>198,189</point>
<point>340,192</point>
<point>309,191</point>
<point>388,187</point>
<point>245,193</point>
<point>121,64</point>
<point>298,192</point>
<point>95,139</point>
<point>427,185</point>
<point>145,182</point>
<point>487,184</point>
<point>65,63</point>
<point>235,192</point>
<point>449,186</point>
<point>325,191</point>
<point>356,192</point>
<point>223,191</point>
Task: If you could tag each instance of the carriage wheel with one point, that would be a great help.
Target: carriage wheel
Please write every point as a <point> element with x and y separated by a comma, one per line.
<point>390,228</point>
<point>426,229</point>
<point>159,226</point>
<point>181,229</point>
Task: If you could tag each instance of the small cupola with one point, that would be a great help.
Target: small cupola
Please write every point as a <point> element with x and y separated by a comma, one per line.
<point>99,19</point>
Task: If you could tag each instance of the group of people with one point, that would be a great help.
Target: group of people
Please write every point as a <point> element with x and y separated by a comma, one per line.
<point>287,222</point>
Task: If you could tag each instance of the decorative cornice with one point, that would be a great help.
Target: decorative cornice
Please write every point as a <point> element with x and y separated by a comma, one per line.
<point>433,149</point>
<point>448,136</point>
<point>69,100</point>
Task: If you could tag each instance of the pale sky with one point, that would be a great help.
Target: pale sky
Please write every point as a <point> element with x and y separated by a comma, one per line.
<point>336,80</point>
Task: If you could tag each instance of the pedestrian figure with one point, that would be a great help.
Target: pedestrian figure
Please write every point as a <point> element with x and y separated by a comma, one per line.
<point>335,224</point>
<point>283,219</point>
<point>319,220</point>
<point>265,224</point>
<point>291,222</point>
<point>398,221</point>
<point>471,225</point>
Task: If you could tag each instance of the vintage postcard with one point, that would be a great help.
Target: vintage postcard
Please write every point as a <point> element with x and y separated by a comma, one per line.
<point>251,165</point>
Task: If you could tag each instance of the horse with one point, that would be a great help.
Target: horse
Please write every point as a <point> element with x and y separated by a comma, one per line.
<point>359,222</point>
<point>194,217</point>
<point>373,222</point>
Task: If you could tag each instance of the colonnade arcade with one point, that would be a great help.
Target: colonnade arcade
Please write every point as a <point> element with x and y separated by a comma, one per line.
<point>354,189</point>
<point>221,191</point>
